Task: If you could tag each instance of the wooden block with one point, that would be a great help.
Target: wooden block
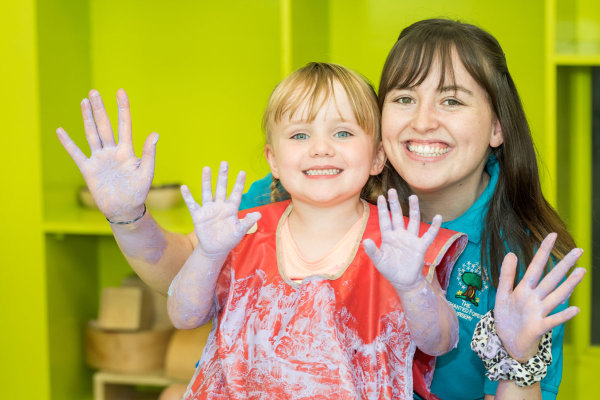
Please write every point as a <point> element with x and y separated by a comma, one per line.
<point>121,308</point>
<point>184,350</point>
<point>126,351</point>
<point>154,314</point>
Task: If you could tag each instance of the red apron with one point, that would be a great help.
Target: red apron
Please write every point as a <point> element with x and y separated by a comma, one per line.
<point>345,338</point>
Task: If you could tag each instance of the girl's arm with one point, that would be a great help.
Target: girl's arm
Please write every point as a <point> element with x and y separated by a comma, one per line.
<point>218,230</point>
<point>431,320</point>
<point>521,314</point>
<point>119,183</point>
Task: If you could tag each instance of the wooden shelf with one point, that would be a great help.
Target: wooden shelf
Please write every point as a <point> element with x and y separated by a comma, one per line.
<point>113,386</point>
<point>64,215</point>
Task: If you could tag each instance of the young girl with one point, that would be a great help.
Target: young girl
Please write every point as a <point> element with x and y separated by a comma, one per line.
<point>298,309</point>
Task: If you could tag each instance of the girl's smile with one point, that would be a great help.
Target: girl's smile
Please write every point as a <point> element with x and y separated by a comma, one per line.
<point>323,172</point>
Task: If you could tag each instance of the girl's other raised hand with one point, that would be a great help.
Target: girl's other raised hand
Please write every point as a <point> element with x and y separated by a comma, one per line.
<point>402,254</point>
<point>118,181</point>
<point>216,222</point>
<point>521,314</point>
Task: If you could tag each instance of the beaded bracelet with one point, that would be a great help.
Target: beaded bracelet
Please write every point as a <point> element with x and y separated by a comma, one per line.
<point>500,365</point>
<point>130,221</point>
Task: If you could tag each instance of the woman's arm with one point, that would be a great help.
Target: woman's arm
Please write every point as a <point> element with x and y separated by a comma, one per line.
<point>119,183</point>
<point>431,320</point>
<point>154,253</point>
<point>508,390</point>
<point>218,230</point>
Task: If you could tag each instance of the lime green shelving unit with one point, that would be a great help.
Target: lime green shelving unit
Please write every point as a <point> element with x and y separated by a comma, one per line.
<point>573,47</point>
<point>199,74</point>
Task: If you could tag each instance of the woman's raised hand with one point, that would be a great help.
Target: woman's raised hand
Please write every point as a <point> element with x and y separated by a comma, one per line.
<point>116,178</point>
<point>521,314</point>
<point>216,222</point>
<point>401,256</point>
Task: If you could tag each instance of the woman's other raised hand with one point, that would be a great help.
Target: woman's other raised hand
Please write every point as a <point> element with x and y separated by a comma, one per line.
<point>522,314</point>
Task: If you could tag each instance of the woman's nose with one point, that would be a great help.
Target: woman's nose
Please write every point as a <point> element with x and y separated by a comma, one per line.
<point>424,118</point>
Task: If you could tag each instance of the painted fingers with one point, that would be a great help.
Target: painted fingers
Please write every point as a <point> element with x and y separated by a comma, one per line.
<point>543,294</point>
<point>124,120</point>
<point>97,126</point>
<point>71,148</point>
<point>101,120</point>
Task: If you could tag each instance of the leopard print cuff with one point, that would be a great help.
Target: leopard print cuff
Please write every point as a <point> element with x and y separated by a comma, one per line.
<point>501,366</point>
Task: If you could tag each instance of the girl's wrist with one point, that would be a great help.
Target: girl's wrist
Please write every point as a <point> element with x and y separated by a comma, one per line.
<point>404,289</point>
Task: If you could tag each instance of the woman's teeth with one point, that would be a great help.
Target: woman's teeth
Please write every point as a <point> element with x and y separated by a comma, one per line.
<point>425,150</point>
<point>331,171</point>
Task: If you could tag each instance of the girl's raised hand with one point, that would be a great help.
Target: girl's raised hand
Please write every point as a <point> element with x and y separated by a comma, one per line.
<point>401,256</point>
<point>116,178</point>
<point>521,314</point>
<point>216,222</point>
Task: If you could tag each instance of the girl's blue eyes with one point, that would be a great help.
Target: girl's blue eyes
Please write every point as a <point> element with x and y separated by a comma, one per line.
<point>300,136</point>
<point>304,136</point>
<point>343,134</point>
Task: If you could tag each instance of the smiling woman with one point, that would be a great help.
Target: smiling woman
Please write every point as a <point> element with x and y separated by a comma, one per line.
<point>435,134</point>
<point>446,84</point>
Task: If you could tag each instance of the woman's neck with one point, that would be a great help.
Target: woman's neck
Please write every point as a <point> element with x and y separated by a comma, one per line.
<point>316,230</point>
<point>452,202</point>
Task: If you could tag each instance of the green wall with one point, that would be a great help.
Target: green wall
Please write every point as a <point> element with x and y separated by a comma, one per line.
<point>199,73</point>
<point>23,305</point>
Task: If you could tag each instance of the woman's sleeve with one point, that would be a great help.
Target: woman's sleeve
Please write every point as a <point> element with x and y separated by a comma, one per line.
<point>259,193</point>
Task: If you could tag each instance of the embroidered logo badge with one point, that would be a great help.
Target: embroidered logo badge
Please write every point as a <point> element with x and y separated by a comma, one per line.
<point>470,281</point>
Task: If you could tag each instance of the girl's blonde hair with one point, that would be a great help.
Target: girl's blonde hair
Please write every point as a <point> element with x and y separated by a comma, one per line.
<point>313,84</point>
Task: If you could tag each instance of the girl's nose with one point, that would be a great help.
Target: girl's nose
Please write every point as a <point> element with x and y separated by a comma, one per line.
<point>424,118</point>
<point>321,147</point>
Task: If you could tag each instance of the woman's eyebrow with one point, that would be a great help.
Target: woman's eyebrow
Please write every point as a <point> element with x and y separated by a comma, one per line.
<point>456,88</point>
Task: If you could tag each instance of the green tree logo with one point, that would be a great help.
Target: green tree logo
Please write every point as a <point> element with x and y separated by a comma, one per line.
<point>474,283</point>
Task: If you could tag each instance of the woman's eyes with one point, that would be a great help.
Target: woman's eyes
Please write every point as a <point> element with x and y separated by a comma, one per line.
<point>300,136</point>
<point>452,102</point>
<point>409,100</point>
<point>404,100</point>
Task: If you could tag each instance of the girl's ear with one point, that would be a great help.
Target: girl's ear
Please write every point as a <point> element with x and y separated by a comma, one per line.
<point>379,160</point>
<point>497,138</point>
<point>270,156</point>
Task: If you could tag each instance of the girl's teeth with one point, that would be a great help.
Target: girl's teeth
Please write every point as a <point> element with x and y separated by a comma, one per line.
<point>427,150</point>
<point>331,171</point>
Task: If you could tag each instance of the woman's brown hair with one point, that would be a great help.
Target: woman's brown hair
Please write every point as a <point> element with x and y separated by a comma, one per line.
<point>518,217</point>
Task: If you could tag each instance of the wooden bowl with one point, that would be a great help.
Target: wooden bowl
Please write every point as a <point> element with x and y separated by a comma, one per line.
<point>160,197</point>
<point>126,352</point>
